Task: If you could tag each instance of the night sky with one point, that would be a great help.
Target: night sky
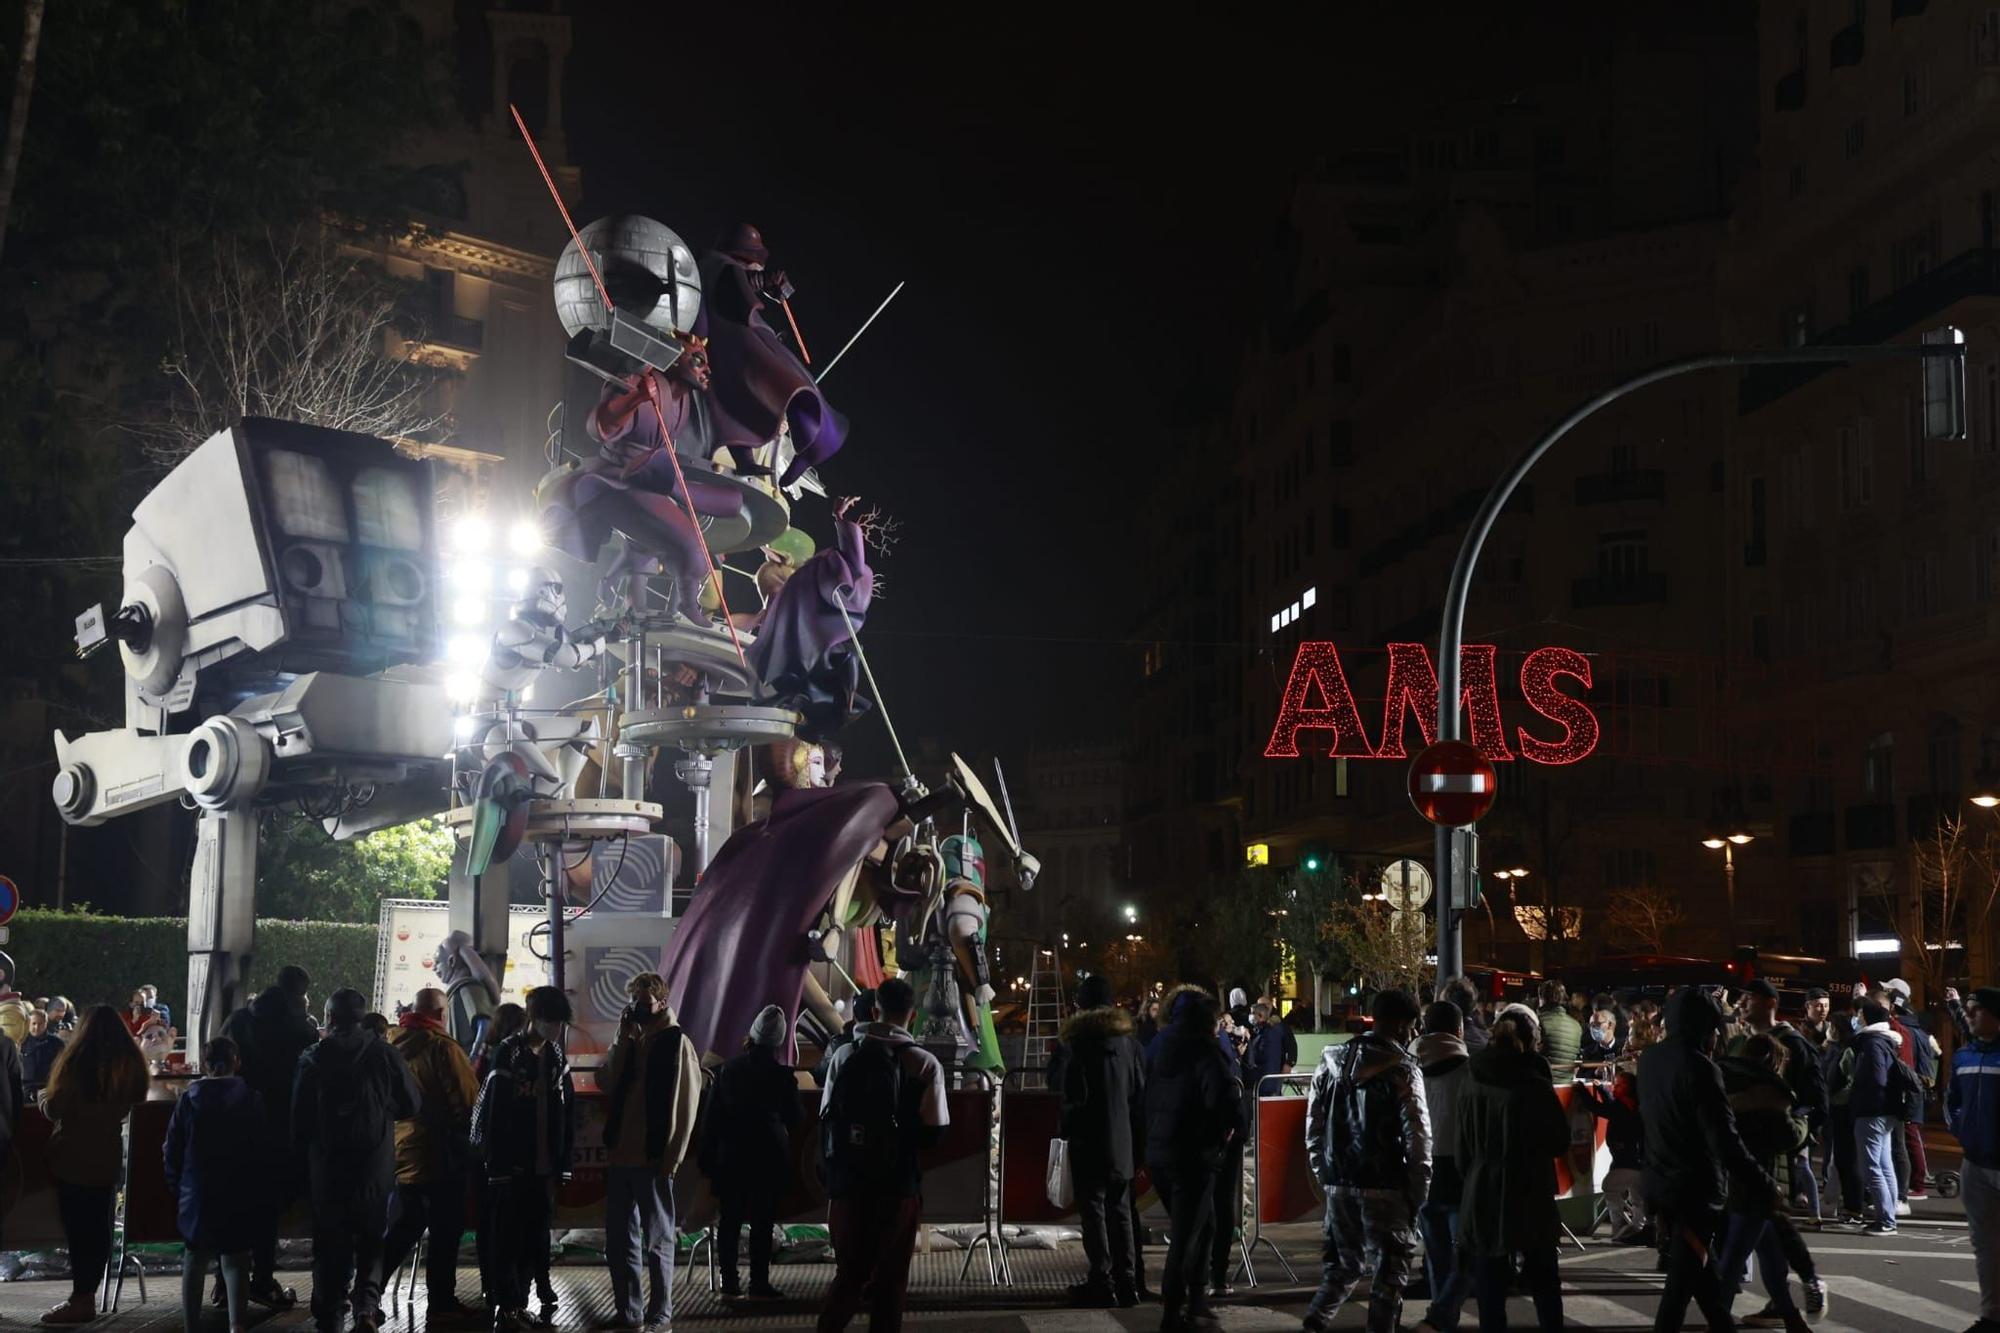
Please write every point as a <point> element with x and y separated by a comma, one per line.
<point>1081,213</point>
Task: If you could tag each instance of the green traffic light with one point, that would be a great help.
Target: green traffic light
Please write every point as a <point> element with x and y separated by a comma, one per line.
<point>1312,863</point>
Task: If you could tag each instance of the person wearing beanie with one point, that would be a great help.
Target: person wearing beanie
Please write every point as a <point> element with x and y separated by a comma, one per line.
<point>1103,1087</point>
<point>1972,1110</point>
<point>746,1148</point>
<point>652,1081</point>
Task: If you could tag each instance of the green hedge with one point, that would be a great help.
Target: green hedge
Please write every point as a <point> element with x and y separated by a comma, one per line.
<point>100,959</point>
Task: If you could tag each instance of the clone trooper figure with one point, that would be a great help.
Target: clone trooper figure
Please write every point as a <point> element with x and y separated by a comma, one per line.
<point>532,641</point>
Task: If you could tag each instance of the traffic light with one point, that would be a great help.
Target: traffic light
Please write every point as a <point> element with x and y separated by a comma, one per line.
<point>1312,858</point>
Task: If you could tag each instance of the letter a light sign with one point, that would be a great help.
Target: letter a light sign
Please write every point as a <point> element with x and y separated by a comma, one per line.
<point>1317,698</point>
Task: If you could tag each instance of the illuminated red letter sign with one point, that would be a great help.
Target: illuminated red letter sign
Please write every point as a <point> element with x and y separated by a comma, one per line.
<point>1317,697</point>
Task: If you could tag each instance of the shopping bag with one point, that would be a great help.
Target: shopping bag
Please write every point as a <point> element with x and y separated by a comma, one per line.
<point>1061,1187</point>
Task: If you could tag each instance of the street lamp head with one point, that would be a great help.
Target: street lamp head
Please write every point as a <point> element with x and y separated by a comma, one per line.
<point>1740,838</point>
<point>1713,844</point>
<point>1986,800</point>
<point>1519,872</point>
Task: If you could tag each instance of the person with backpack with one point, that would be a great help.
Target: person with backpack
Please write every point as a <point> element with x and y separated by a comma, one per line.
<point>271,1033</point>
<point>433,1154</point>
<point>653,1083</point>
<point>524,1132</point>
<point>352,1088</point>
<point>216,1165</point>
<point>1925,1057</point>
<point>1103,1091</point>
<point>746,1150</point>
<point>883,1103</point>
<point>1442,1056</point>
<point>1194,1112</point>
<point>1368,1139</point>
<point>1761,1097</point>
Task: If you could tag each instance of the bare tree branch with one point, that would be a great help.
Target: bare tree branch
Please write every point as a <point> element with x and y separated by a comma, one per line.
<point>295,328</point>
<point>1644,916</point>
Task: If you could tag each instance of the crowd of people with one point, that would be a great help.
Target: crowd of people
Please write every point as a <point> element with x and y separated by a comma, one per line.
<point>1435,1132</point>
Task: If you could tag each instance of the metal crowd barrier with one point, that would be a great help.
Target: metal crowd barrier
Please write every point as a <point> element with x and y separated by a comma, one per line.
<point>1254,1159</point>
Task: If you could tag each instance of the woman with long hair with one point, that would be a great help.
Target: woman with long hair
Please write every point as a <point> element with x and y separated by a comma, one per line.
<point>1510,1131</point>
<point>93,1087</point>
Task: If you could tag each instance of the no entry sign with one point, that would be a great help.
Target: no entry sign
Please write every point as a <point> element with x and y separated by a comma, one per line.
<point>1452,784</point>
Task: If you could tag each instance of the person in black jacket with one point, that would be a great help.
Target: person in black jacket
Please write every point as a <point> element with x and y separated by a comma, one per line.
<point>1194,1112</point>
<point>523,1128</point>
<point>746,1149</point>
<point>1692,1151</point>
<point>1368,1139</point>
<point>271,1033</point>
<point>352,1088</point>
<point>1104,1121</point>
<point>1461,992</point>
<point>216,1166</point>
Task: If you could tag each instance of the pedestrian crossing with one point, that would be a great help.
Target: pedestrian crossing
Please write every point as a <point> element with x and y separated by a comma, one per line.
<point>1609,1302</point>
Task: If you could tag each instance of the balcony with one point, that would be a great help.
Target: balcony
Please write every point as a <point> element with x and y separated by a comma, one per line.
<point>1869,827</point>
<point>1811,834</point>
<point>1847,46</point>
<point>1599,488</point>
<point>1973,273</point>
<point>1789,94</point>
<point>1644,589</point>
<point>467,335</point>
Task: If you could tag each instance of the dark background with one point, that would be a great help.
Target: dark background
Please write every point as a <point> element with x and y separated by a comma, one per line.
<point>1081,209</point>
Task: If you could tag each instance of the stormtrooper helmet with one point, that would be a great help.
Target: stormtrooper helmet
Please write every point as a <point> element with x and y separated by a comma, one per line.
<point>542,600</point>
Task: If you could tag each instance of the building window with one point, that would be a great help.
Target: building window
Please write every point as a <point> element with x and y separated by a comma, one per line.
<point>1941,758</point>
<point>1798,626</point>
<point>1857,606</point>
<point>1878,768</point>
<point>1343,364</point>
<point>1921,593</point>
<point>1622,558</point>
<point>1923,449</point>
<point>1913,256</point>
<point>1795,478</point>
<point>1857,290</point>
<point>1795,180</point>
<point>1857,466</point>
<point>1624,457</point>
<point>1986,565</point>
<point>1760,637</point>
<point>1797,327</point>
<point>1754,520</point>
<point>1855,139</point>
<point>1913,92</point>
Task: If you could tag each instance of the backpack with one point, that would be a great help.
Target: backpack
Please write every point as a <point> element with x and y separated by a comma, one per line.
<point>862,1132</point>
<point>353,1117</point>
<point>1927,1065</point>
<point>1906,1091</point>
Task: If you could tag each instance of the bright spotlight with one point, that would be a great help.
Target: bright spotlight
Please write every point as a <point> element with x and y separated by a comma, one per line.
<point>471,535</point>
<point>466,650</point>
<point>524,537</point>
<point>469,611</point>
<point>471,575</point>
<point>462,687</point>
<point>462,728</point>
<point>517,581</point>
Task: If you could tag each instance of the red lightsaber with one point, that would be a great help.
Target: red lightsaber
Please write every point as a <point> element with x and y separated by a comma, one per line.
<point>797,337</point>
<point>652,387</point>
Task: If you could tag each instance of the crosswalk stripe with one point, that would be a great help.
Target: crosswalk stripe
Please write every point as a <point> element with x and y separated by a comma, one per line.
<point>1962,1285</point>
<point>1880,1253</point>
<point>1255,1319</point>
<point>1891,1301</point>
<point>1072,1321</point>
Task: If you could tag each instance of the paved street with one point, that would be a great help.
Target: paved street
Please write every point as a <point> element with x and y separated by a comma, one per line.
<point>1921,1279</point>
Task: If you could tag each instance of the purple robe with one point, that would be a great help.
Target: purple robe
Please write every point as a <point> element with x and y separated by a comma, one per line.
<point>758,381</point>
<point>630,486</point>
<point>742,944</point>
<point>803,654</point>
